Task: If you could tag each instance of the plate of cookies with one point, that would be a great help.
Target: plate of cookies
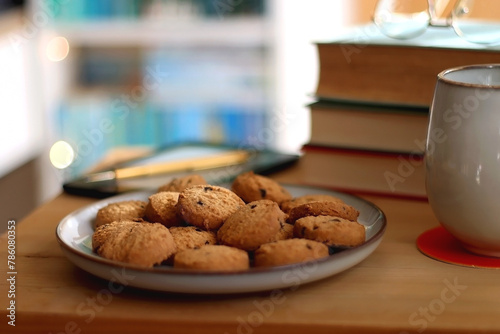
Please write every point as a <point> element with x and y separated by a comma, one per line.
<point>253,234</point>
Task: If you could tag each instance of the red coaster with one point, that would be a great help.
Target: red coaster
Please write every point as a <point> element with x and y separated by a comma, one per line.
<point>440,245</point>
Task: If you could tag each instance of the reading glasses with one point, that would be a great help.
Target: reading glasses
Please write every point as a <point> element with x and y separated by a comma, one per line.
<point>476,21</point>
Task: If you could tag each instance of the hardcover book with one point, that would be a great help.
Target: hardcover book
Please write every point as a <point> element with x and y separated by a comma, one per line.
<point>365,65</point>
<point>369,127</point>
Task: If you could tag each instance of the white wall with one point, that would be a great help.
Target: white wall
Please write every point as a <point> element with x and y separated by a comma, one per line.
<point>298,25</point>
<point>21,117</point>
<point>24,100</point>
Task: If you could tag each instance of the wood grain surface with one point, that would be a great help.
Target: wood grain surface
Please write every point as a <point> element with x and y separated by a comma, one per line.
<point>395,290</point>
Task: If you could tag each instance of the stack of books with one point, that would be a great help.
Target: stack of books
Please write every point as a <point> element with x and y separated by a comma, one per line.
<point>373,99</point>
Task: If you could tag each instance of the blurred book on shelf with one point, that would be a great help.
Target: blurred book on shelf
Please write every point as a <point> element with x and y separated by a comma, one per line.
<point>93,126</point>
<point>160,72</point>
<point>364,65</point>
<point>368,127</point>
<point>82,10</point>
<point>108,68</point>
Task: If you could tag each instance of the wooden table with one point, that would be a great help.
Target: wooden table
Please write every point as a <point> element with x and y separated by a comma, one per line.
<point>395,290</point>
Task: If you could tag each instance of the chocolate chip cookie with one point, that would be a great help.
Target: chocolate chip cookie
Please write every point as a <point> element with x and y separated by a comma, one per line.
<point>140,243</point>
<point>120,211</point>
<point>332,231</point>
<point>252,187</point>
<point>162,208</point>
<point>207,206</point>
<point>180,183</point>
<point>254,224</point>
<point>289,251</point>
<point>323,208</point>
<point>286,206</point>
<point>213,258</point>
<point>186,237</point>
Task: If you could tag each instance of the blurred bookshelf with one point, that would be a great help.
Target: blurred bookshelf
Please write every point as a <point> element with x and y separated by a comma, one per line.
<point>156,73</point>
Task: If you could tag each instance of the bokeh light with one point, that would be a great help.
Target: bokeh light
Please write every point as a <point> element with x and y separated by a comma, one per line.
<point>61,154</point>
<point>57,49</point>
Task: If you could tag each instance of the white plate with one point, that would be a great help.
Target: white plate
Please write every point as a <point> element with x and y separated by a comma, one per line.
<point>74,234</point>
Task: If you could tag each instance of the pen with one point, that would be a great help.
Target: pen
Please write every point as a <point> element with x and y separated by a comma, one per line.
<point>193,164</point>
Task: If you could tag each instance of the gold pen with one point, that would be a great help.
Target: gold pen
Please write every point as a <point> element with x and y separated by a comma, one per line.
<point>186,165</point>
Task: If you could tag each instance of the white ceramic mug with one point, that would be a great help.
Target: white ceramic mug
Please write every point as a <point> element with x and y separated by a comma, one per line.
<point>463,156</point>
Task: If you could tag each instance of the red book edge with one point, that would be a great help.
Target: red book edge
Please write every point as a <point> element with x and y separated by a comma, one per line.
<point>359,192</point>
